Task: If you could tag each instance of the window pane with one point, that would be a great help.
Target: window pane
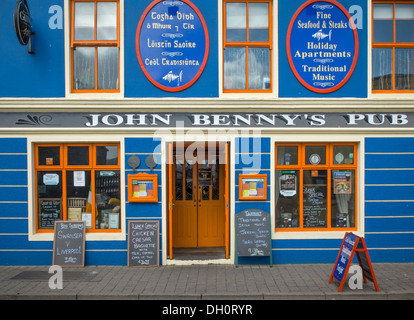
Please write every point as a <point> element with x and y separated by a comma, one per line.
<point>179,194</point>
<point>343,155</point>
<point>404,23</point>
<point>287,199</point>
<point>315,198</point>
<point>49,194</point>
<point>235,68</point>
<point>108,68</point>
<point>315,155</point>
<point>258,22</point>
<point>259,68</point>
<point>343,199</point>
<point>381,69</point>
<point>49,156</point>
<point>236,22</point>
<point>107,199</point>
<point>287,155</point>
<point>78,184</point>
<point>84,21</point>
<point>106,155</point>
<point>383,23</point>
<point>84,68</point>
<point>107,21</point>
<point>78,156</point>
<point>404,69</point>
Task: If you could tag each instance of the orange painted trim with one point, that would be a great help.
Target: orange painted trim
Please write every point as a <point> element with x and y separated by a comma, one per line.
<point>134,179</point>
<point>247,44</point>
<point>63,167</point>
<point>93,43</point>
<point>329,167</point>
<point>252,176</point>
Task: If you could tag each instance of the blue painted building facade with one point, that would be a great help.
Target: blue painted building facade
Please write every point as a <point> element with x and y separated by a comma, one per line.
<point>382,128</point>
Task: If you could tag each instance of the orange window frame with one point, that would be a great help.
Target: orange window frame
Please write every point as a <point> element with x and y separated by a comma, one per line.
<point>63,167</point>
<point>390,45</point>
<point>330,166</point>
<point>249,44</point>
<point>95,44</point>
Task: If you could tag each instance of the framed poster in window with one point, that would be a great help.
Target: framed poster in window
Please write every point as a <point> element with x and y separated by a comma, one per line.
<point>253,186</point>
<point>143,187</point>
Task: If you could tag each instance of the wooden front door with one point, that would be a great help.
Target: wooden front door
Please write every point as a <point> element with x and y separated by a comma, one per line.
<point>198,187</point>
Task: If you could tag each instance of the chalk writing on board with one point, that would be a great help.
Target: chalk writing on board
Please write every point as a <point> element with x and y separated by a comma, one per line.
<point>253,233</point>
<point>69,243</point>
<point>143,243</point>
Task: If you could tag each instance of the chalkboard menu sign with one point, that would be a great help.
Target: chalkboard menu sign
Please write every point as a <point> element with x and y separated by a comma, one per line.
<point>314,206</point>
<point>143,243</point>
<point>253,233</point>
<point>50,210</point>
<point>69,244</point>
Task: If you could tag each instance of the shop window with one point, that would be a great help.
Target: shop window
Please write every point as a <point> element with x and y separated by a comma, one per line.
<point>78,182</point>
<point>95,45</point>
<point>393,47</point>
<point>316,187</point>
<point>247,46</point>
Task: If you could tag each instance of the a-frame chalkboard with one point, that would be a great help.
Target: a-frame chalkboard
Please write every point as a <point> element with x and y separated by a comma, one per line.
<point>350,245</point>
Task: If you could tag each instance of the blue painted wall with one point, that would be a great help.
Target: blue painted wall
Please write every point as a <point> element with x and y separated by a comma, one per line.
<point>32,75</point>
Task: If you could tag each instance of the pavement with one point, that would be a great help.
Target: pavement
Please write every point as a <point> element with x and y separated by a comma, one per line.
<point>202,282</point>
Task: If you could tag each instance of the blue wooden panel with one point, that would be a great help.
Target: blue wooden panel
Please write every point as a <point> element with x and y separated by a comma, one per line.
<point>137,209</point>
<point>142,145</point>
<point>389,208</point>
<point>389,144</point>
<point>13,161</point>
<point>305,257</point>
<point>13,210</point>
<point>243,205</point>
<point>391,256</point>
<point>13,193</point>
<point>307,243</point>
<point>405,224</point>
<point>105,245</point>
<point>29,258</point>
<point>106,257</point>
<point>389,193</point>
<point>13,178</point>
<point>389,240</point>
<point>142,165</point>
<point>252,145</point>
<point>389,176</point>
<point>14,226</point>
<point>21,242</point>
<point>13,145</point>
<point>379,161</point>
<point>252,161</point>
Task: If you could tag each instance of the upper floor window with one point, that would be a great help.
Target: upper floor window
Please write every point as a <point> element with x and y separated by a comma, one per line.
<point>393,47</point>
<point>95,45</point>
<point>247,46</point>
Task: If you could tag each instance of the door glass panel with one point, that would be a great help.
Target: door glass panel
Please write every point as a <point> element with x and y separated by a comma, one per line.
<point>215,191</point>
<point>178,179</point>
<point>188,180</point>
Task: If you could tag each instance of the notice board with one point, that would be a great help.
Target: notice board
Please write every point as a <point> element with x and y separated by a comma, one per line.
<point>69,244</point>
<point>352,244</point>
<point>143,243</point>
<point>253,234</point>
